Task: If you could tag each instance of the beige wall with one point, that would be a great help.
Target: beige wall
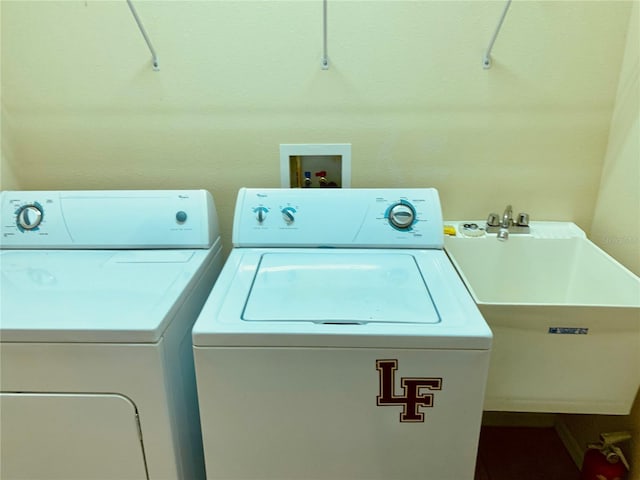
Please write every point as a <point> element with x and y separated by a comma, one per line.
<point>406,87</point>
<point>616,222</point>
<point>7,177</point>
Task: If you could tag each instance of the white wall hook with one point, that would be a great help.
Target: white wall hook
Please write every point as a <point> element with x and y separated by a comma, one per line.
<point>154,57</point>
<point>486,60</point>
<point>324,62</point>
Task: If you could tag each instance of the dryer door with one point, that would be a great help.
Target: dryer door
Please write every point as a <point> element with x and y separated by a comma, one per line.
<point>69,436</point>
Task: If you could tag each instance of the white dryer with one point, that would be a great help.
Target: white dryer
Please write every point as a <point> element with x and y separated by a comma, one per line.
<point>339,342</point>
<point>99,292</point>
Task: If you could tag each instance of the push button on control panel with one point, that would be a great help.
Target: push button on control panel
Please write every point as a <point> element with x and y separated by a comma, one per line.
<point>181,216</point>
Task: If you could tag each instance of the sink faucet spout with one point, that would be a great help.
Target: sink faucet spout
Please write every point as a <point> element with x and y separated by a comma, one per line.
<point>507,217</point>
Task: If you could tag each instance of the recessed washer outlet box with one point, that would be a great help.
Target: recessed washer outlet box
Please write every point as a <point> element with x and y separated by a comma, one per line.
<point>315,165</point>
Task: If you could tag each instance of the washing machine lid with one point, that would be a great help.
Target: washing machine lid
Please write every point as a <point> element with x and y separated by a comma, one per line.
<point>342,298</point>
<point>94,295</point>
<point>339,288</point>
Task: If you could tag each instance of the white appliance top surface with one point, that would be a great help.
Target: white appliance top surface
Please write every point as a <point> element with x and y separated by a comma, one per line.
<point>340,287</point>
<point>126,296</point>
<point>313,297</point>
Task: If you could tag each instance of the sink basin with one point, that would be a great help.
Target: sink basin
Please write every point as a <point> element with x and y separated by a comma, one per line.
<point>565,318</point>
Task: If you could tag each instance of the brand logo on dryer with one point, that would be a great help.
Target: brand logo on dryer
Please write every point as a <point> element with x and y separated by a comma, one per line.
<point>416,391</point>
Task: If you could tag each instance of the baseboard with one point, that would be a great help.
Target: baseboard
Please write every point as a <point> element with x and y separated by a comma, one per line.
<point>518,419</point>
<point>575,450</point>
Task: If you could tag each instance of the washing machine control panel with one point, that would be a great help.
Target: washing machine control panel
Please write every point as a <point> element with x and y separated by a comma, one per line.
<point>392,218</point>
<point>108,219</point>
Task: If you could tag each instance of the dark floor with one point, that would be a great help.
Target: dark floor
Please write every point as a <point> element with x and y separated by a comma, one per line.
<point>523,453</point>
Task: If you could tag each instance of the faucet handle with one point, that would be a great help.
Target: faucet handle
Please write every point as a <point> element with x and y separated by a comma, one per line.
<point>493,220</point>
<point>523,219</point>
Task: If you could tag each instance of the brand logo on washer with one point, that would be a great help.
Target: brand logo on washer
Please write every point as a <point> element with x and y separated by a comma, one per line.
<point>413,396</point>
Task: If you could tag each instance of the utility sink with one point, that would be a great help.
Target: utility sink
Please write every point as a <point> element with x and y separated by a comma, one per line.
<point>565,318</point>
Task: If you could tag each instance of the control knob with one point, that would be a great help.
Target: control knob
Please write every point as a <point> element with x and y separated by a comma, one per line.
<point>261,214</point>
<point>29,217</point>
<point>402,215</point>
<point>287,215</point>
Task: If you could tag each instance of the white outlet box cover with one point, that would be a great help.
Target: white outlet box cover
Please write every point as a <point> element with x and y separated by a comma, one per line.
<point>329,149</point>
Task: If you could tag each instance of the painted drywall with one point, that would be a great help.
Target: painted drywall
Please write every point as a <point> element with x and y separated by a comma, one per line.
<point>7,177</point>
<point>616,224</point>
<point>405,87</point>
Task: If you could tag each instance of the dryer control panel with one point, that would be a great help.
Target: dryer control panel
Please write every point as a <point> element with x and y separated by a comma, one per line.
<point>368,218</point>
<point>112,219</point>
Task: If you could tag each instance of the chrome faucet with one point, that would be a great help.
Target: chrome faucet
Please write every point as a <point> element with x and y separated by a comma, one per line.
<point>507,217</point>
<point>507,221</point>
<point>505,225</point>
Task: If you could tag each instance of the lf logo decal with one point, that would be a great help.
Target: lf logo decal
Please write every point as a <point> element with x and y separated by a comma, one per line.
<point>414,395</point>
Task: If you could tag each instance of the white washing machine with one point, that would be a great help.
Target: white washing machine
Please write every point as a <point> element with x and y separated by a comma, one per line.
<point>339,342</point>
<point>99,293</point>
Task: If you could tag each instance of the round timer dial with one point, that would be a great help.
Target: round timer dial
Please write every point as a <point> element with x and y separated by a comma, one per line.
<point>29,216</point>
<point>401,215</point>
